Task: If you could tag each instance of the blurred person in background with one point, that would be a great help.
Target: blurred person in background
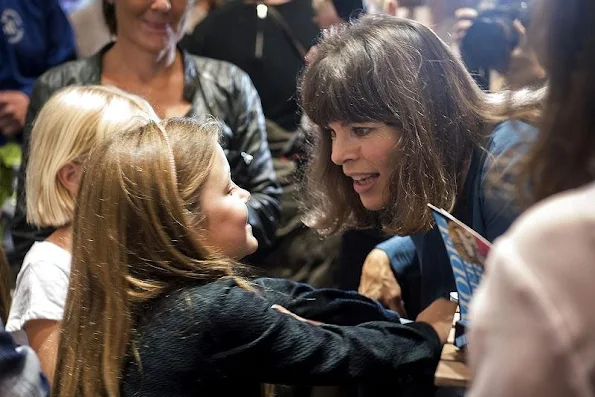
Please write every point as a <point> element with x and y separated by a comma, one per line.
<point>493,43</point>
<point>532,325</point>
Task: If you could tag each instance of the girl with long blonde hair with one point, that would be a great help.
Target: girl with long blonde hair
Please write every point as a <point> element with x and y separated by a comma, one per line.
<point>158,305</point>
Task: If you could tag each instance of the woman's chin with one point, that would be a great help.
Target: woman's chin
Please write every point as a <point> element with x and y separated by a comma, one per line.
<point>373,205</point>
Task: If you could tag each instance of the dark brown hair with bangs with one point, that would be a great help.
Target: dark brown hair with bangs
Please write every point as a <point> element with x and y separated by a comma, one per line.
<point>396,71</point>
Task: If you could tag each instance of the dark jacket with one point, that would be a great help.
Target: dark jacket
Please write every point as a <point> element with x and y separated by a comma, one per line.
<point>420,261</point>
<point>218,339</point>
<point>275,71</point>
<point>213,88</point>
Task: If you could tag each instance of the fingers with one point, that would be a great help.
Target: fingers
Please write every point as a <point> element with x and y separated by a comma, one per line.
<point>522,31</point>
<point>466,13</point>
<point>460,29</point>
<point>465,18</point>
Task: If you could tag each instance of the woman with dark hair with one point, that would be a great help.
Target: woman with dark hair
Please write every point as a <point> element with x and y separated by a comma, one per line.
<point>144,60</point>
<point>533,329</point>
<point>402,124</point>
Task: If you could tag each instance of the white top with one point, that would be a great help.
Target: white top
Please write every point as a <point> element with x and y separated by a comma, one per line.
<point>533,319</point>
<point>41,288</point>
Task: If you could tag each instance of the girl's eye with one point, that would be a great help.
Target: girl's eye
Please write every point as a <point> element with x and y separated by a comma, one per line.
<point>231,188</point>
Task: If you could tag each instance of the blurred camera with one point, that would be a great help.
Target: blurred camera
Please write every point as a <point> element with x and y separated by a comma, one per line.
<point>489,42</point>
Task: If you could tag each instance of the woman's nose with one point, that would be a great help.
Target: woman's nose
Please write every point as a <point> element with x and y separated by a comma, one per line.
<point>161,5</point>
<point>342,150</point>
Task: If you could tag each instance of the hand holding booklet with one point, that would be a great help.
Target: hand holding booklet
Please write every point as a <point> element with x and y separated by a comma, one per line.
<point>467,251</point>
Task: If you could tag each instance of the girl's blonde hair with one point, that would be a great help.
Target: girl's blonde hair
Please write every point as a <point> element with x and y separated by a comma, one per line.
<point>70,123</point>
<point>136,237</point>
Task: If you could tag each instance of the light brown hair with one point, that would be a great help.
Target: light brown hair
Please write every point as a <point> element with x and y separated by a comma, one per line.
<point>396,71</point>
<point>135,238</point>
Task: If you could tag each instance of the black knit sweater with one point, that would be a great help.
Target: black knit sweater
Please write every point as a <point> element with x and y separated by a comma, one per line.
<point>218,339</point>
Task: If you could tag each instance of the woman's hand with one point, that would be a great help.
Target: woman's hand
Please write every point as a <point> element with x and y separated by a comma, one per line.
<point>379,282</point>
<point>439,315</point>
<point>464,20</point>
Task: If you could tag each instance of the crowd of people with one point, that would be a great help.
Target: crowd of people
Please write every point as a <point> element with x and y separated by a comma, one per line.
<point>231,198</point>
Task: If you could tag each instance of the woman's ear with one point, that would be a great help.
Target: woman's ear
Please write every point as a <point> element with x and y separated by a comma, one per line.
<point>70,177</point>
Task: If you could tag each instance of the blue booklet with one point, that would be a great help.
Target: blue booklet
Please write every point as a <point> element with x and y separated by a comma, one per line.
<point>467,251</point>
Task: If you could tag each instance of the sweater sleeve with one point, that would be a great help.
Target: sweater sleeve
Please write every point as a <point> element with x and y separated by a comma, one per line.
<point>401,252</point>
<point>326,305</point>
<point>241,327</point>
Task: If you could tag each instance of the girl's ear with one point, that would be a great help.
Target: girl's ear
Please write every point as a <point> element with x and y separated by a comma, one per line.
<point>70,177</point>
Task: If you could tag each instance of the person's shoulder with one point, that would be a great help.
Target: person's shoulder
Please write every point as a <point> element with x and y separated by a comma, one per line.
<point>222,74</point>
<point>562,223</point>
<point>69,73</point>
<point>45,257</point>
<point>192,299</point>
<point>215,69</point>
<point>510,134</point>
<point>216,21</point>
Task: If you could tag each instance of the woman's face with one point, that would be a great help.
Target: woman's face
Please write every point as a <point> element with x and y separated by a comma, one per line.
<point>223,203</point>
<point>154,25</point>
<point>366,153</point>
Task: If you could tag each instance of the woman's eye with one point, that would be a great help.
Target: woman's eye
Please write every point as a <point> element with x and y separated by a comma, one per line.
<point>361,131</point>
<point>331,133</point>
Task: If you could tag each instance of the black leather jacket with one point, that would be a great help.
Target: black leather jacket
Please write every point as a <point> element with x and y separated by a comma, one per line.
<point>214,88</point>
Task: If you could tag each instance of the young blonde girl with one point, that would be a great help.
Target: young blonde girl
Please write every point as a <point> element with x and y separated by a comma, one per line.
<point>67,127</point>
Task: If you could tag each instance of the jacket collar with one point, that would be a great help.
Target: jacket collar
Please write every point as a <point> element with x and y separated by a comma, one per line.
<point>191,82</point>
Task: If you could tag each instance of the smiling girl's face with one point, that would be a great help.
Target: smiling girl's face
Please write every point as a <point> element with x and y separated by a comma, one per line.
<point>223,203</point>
